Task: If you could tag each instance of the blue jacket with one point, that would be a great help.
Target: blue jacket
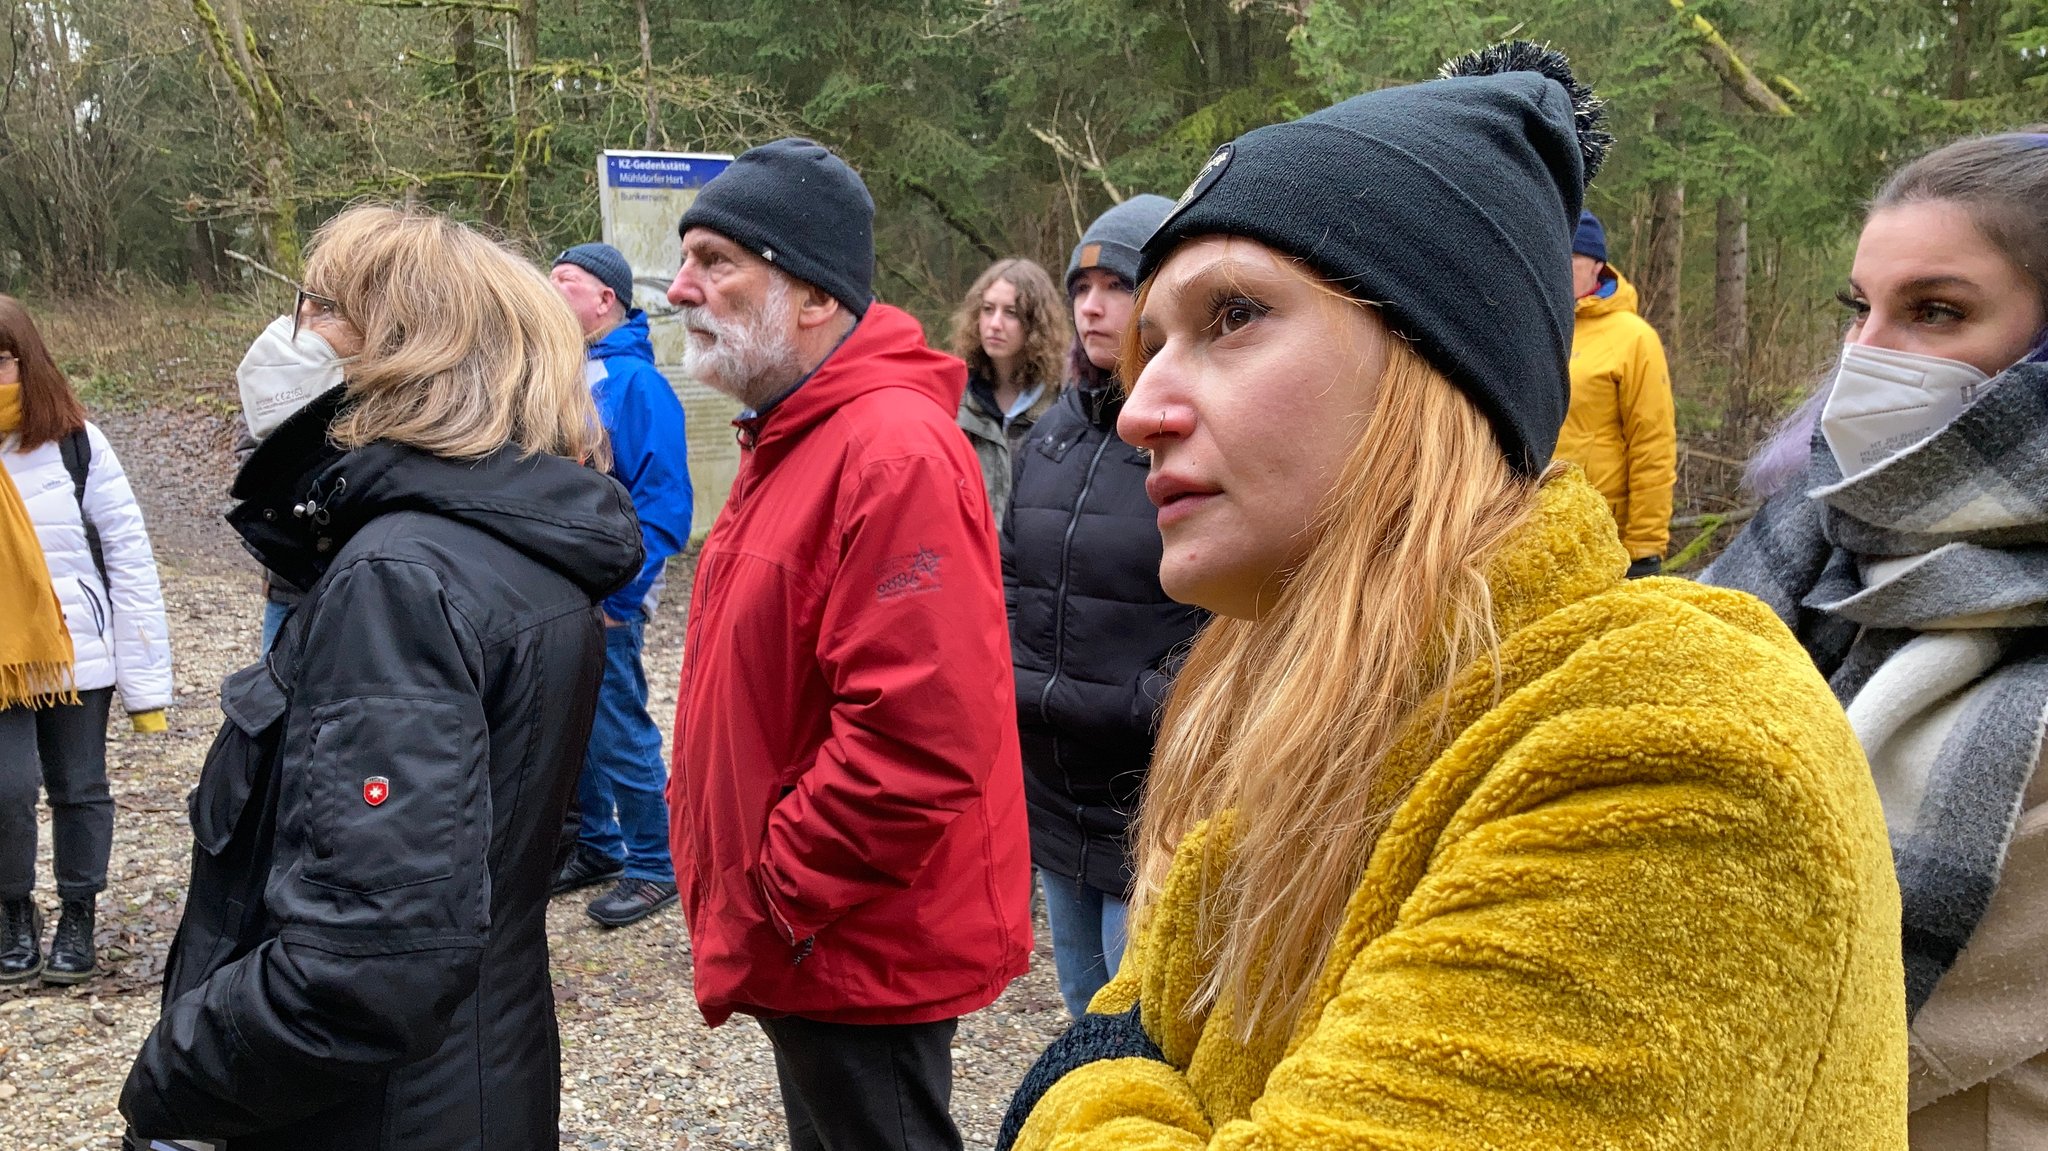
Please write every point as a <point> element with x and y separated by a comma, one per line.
<point>650,455</point>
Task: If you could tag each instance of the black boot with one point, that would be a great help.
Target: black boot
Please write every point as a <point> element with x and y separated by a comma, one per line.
<point>21,940</point>
<point>72,958</point>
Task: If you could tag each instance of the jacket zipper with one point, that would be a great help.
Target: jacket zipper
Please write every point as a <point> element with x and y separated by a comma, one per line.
<point>99,615</point>
<point>1059,618</point>
<point>1059,638</point>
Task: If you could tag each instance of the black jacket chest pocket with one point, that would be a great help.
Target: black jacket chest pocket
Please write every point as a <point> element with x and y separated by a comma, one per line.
<point>393,792</point>
<point>255,707</point>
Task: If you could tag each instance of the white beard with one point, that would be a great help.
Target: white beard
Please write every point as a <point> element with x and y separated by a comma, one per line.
<point>751,358</point>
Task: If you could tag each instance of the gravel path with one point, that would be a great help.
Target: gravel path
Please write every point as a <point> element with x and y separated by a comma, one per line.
<point>640,1069</point>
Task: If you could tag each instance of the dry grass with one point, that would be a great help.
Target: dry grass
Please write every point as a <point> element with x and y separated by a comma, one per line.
<point>157,347</point>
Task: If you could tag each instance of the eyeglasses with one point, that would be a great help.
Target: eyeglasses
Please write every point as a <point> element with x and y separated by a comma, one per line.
<point>323,305</point>
<point>8,359</point>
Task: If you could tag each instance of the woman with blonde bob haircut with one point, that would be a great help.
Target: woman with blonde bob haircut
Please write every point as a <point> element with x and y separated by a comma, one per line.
<point>363,958</point>
<point>428,298</point>
<point>1454,837</point>
<point>1011,328</point>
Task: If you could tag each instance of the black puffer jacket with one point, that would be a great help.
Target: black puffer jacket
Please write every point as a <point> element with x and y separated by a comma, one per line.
<point>362,962</point>
<point>1092,633</point>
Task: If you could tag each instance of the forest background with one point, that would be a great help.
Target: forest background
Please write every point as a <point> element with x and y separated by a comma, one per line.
<point>151,149</point>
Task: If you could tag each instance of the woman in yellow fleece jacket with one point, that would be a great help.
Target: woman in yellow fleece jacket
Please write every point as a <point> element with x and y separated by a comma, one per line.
<point>1454,839</point>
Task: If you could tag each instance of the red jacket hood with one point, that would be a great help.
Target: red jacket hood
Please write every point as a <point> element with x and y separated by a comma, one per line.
<point>885,349</point>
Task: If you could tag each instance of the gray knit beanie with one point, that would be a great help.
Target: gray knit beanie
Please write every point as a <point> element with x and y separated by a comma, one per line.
<point>1113,241</point>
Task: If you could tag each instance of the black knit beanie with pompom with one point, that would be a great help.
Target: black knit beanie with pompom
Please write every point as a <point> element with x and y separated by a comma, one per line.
<point>1451,204</point>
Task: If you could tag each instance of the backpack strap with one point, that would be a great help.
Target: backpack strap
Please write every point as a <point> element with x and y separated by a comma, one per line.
<point>76,449</point>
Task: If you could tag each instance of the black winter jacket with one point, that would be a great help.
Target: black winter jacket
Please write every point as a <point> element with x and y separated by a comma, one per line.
<point>1093,635</point>
<point>362,962</point>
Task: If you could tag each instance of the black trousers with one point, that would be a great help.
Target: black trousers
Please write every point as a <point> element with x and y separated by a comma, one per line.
<point>61,749</point>
<point>853,1087</point>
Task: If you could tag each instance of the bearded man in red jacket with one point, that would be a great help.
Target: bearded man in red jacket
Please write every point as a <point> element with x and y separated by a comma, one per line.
<point>847,809</point>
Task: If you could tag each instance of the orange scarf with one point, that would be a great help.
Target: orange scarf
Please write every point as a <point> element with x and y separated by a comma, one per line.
<point>35,646</point>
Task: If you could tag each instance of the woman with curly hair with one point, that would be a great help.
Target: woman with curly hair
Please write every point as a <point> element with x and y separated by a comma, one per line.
<point>1011,328</point>
<point>1454,837</point>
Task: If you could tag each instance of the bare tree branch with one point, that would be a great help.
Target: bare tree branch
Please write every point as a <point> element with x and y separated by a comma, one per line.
<point>1733,72</point>
<point>443,5</point>
<point>1090,161</point>
<point>262,267</point>
<point>953,219</point>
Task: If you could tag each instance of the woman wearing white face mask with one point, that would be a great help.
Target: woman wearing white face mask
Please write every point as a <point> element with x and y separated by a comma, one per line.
<point>1905,548</point>
<point>291,364</point>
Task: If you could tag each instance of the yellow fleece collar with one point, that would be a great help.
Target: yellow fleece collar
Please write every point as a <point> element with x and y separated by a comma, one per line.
<point>1567,551</point>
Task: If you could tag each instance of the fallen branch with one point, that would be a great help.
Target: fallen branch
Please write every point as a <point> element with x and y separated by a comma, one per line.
<point>1712,458</point>
<point>1718,519</point>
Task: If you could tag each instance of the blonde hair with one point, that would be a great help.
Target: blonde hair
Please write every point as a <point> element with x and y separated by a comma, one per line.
<point>466,346</point>
<point>1039,305</point>
<point>1285,720</point>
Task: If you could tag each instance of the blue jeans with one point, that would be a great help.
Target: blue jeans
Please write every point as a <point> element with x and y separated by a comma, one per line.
<point>273,621</point>
<point>619,795</point>
<point>1087,937</point>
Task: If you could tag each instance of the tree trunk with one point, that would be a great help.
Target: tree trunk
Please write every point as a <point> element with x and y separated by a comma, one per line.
<point>1959,51</point>
<point>237,34</point>
<point>202,253</point>
<point>1731,300</point>
<point>277,216</point>
<point>1666,258</point>
<point>1731,277</point>
<point>476,130</point>
<point>525,116</point>
<point>653,108</point>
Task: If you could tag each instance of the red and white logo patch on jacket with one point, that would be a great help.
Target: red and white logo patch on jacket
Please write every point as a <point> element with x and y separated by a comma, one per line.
<point>376,790</point>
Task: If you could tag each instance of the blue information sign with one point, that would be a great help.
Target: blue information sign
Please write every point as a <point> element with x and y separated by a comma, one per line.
<point>644,171</point>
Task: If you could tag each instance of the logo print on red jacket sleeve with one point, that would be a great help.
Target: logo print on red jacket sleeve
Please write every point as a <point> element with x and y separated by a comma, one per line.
<point>909,575</point>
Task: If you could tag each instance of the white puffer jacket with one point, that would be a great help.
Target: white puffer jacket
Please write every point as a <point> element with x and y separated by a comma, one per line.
<point>118,635</point>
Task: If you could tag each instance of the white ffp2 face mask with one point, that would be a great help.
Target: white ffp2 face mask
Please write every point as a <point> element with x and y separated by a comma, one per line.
<point>278,375</point>
<point>1884,401</point>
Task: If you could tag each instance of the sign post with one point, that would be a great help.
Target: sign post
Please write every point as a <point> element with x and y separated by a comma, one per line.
<point>641,197</point>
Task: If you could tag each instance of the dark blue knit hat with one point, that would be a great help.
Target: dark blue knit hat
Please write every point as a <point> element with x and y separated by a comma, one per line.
<point>1450,204</point>
<point>801,208</point>
<point>608,264</point>
<point>1591,238</point>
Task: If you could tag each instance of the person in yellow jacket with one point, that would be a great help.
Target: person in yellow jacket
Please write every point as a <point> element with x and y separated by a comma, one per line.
<point>1621,426</point>
<point>1454,838</point>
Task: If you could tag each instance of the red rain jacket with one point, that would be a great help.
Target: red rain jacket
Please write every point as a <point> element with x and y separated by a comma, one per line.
<point>847,808</point>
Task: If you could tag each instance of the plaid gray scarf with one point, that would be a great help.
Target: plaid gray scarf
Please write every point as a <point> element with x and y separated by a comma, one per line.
<point>1920,588</point>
